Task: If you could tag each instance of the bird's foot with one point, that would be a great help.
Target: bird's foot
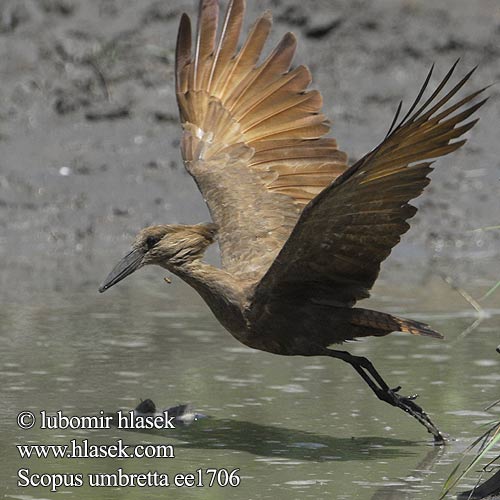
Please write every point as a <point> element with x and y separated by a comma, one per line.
<point>398,388</point>
<point>407,404</point>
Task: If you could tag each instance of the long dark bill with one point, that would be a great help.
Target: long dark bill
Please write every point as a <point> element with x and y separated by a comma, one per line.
<point>130,263</point>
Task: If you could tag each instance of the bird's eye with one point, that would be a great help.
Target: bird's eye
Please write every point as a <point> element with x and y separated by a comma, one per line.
<point>151,241</point>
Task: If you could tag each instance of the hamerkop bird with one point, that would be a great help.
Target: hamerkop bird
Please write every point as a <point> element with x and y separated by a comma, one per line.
<point>301,234</point>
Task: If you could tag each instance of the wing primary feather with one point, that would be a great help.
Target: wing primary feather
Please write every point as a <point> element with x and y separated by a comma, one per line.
<point>205,39</point>
<point>394,120</point>
<point>299,75</point>
<point>419,96</point>
<point>228,42</point>
<point>438,125</point>
<point>448,96</point>
<point>424,117</point>
<point>292,104</point>
<point>413,106</point>
<point>459,104</point>
<point>441,131</point>
<point>250,52</point>
<point>182,53</point>
<point>438,89</point>
<point>196,62</point>
<point>281,56</point>
<point>417,122</point>
<point>445,133</point>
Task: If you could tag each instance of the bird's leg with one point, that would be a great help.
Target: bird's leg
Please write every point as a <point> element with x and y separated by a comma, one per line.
<point>378,385</point>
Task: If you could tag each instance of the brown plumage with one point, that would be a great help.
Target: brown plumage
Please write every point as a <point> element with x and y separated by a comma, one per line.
<point>301,234</point>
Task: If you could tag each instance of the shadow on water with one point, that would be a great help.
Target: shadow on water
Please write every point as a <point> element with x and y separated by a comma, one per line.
<point>267,440</point>
<point>405,488</point>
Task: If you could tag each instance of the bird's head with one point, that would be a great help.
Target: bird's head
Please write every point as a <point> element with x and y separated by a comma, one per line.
<point>166,245</point>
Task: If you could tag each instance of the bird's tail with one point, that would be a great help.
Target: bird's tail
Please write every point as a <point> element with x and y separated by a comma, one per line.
<point>416,327</point>
<point>379,324</point>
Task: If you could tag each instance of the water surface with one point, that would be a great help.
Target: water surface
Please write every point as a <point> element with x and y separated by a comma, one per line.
<point>295,427</point>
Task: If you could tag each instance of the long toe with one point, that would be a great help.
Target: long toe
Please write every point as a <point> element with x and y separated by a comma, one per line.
<point>408,405</point>
<point>398,388</point>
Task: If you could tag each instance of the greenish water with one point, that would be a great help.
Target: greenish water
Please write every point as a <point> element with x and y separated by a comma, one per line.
<point>294,427</point>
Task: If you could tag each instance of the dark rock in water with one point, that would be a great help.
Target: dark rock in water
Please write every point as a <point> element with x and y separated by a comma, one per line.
<point>146,406</point>
<point>183,414</point>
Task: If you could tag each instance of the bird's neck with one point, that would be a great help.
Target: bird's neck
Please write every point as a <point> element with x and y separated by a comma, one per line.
<point>204,277</point>
<point>223,293</point>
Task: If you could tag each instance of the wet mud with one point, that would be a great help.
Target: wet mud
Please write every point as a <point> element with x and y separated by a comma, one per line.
<point>89,133</point>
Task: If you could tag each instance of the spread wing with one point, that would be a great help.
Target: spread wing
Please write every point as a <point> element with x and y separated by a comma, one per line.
<point>334,253</point>
<point>253,135</point>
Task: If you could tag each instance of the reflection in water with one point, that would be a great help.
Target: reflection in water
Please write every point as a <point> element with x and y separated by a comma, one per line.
<point>406,488</point>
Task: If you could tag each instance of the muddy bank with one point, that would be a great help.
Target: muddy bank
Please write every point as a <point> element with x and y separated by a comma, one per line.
<point>89,132</point>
